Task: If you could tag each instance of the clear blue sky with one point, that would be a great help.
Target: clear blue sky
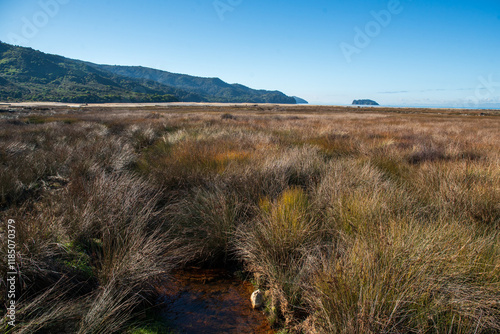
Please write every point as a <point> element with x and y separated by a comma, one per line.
<point>443,52</point>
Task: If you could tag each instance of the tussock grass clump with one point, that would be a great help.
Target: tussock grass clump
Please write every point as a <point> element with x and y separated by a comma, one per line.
<point>123,245</point>
<point>298,166</point>
<point>90,243</point>
<point>270,172</point>
<point>119,212</point>
<point>355,196</point>
<point>49,311</point>
<point>410,278</point>
<point>463,191</point>
<point>336,145</point>
<point>206,222</point>
<point>275,247</point>
<point>190,162</point>
<point>108,310</point>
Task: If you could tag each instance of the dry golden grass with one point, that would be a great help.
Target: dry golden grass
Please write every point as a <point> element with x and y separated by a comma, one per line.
<point>353,220</point>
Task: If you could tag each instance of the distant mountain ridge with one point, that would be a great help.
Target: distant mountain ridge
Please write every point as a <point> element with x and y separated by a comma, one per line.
<point>212,89</point>
<point>30,75</point>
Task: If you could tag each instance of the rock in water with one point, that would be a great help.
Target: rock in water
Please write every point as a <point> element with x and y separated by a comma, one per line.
<point>257,299</point>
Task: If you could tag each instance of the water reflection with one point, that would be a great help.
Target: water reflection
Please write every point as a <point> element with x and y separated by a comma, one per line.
<point>210,301</point>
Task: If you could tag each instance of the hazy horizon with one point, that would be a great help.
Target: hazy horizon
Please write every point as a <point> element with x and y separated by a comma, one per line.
<point>398,53</point>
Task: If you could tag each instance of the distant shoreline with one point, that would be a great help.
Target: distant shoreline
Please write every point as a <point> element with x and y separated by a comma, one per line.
<point>276,109</point>
<point>202,104</point>
<point>496,107</point>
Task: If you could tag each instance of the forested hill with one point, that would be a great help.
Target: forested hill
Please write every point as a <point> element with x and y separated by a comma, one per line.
<point>213,89</point>
<point>30,75</point>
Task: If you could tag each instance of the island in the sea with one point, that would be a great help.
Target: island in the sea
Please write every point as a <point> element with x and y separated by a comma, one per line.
<point>365,103</point>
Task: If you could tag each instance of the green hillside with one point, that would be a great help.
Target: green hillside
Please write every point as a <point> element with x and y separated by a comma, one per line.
<point>30,75</point>
<point>213,89</point>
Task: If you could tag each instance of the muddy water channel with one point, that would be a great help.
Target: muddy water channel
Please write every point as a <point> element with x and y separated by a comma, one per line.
<point>210,301</point>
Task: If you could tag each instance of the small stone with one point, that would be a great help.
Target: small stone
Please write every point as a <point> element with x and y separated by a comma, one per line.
<point>257,299</point>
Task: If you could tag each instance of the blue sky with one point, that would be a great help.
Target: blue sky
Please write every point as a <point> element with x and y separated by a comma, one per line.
<point>406,52</point>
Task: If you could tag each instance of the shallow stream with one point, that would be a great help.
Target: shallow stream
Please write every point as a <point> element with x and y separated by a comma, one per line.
<point>210,301</point>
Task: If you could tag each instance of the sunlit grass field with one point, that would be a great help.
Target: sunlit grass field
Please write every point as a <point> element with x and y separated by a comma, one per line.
<point>352,220</point>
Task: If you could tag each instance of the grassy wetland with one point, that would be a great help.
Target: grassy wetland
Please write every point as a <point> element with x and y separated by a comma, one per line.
<point>352,220</point>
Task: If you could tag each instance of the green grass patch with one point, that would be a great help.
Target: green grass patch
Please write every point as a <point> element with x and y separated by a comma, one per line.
<point>78,258</point>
